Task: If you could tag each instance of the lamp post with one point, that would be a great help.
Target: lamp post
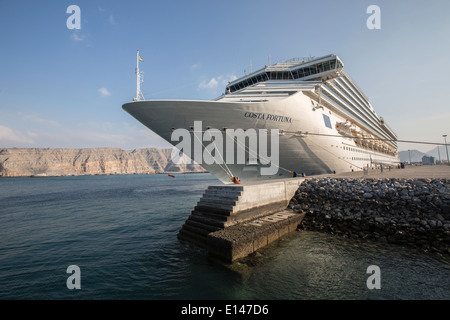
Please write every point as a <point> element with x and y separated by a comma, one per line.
<point>439,154</point>
<point>446,149</point>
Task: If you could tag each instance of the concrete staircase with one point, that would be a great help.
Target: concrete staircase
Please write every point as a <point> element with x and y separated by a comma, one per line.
<point>212,213</point>
<point>223,206</point>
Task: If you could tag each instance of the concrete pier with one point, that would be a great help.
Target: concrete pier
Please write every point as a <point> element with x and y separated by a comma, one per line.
<point>240,240</point>
<point>232,221</point>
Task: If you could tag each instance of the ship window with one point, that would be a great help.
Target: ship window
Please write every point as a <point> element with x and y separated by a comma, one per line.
<point>287,75</point>
<point>306,72</point>
<point>327,121</point>
<point>320,67</point>
<point>333,64</point>
<point>301,73</point>
<point>262,77</point>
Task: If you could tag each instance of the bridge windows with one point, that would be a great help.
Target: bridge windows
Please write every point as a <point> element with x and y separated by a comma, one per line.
<point>291,73</point>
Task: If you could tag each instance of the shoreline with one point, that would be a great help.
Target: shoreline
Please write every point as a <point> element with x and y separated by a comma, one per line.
<point>100,174</point>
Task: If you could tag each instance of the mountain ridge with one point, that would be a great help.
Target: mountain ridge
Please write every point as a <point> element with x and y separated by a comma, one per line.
<point>23,162</point>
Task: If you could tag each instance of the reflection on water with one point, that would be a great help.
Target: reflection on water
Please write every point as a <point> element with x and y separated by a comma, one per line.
<point>312,265</point>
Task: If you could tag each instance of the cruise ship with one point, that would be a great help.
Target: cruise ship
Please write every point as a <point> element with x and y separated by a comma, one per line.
<point>322,120</point>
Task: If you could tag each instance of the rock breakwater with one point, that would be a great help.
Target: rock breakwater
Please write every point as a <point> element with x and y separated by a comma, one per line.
<point>413,212</point>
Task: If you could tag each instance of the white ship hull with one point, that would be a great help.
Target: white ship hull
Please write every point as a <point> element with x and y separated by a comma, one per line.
<point>306,145</point>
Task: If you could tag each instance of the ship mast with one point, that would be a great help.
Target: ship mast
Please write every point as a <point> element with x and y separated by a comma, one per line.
<point>139,79</point>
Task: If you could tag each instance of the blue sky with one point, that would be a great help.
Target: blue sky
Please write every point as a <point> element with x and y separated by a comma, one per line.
<point>65,88</point>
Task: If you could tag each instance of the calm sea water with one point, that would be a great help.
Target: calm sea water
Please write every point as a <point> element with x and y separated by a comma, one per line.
<point>122,233</point>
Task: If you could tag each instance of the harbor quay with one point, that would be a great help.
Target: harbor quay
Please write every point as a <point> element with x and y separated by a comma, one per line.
<point>409,206</point>
<point>408,172</point>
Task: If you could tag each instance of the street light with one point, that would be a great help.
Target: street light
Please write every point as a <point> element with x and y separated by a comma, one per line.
<point>439,154</point>
<point>446,149</point>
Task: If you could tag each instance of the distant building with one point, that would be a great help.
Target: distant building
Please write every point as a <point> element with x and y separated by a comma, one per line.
<point>427,160</point>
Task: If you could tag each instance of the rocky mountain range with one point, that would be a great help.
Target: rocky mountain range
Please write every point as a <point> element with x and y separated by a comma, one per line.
<point>22,162</point>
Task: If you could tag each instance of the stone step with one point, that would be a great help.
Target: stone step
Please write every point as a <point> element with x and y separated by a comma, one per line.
<point>218,201</point>
<point>227,188</point>
<point>211,207</point>
<point>196,229</point>
<point>233,197</point>
<point>208,220</point>
<point>192,237</point>
<point>215,205</point>
<point>200,225</point>
<point>223,194</point>
<point>212,215</point>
